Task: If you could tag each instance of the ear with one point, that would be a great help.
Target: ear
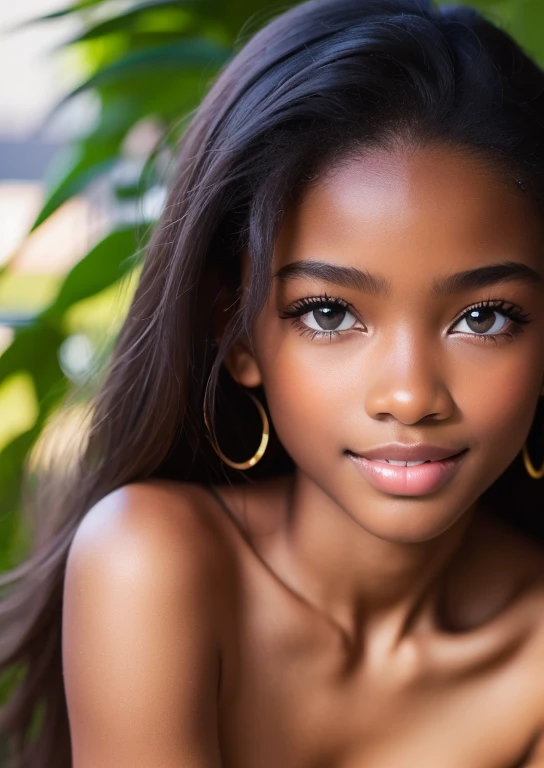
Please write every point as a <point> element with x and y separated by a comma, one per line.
<point>242,364</point>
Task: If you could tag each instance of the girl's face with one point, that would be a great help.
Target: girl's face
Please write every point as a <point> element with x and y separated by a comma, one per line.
<point>406,307</point>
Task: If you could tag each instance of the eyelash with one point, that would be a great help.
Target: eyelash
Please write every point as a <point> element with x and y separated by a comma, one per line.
<point>311,303</point>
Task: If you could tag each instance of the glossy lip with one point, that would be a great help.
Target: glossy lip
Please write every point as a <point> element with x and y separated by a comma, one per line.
<point>414,452</point>
<point>408,481</point>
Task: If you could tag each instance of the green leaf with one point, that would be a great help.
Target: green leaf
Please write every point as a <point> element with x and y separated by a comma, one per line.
<point>82,4</point>
<point>124,22</point>
<point>527,24</point>
<point>30,349</point>
<point>243,17</point>
<point>195,53</point>
<point>164,95</point>
<point>80,165</point>
<point>104,265</point>
<point>206,7</point>
<point>39,19</point>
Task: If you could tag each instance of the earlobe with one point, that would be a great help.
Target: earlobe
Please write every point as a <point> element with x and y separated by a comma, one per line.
<point>242,366</point>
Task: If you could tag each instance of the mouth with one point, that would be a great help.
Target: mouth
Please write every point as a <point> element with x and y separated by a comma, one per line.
<point>407,463</point>
<point>408,477</point>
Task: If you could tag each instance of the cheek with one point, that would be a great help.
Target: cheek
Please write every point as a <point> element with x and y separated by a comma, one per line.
<point>499,402</point>
<point>310,393</point>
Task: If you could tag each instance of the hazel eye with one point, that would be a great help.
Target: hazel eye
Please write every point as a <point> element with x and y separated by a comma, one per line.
<point>484,321</point>
<point>329,319</point>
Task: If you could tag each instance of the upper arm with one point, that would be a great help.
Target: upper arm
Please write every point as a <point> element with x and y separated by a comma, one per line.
<point>140,646</point>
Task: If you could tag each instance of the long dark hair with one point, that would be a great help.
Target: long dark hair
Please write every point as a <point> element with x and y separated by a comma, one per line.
<point>326,79</point>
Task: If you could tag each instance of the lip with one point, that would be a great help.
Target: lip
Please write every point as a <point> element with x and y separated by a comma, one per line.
<point>414,452</point>
<point>408,481</point>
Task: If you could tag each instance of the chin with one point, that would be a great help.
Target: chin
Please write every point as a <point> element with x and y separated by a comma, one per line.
<point>407,520</point>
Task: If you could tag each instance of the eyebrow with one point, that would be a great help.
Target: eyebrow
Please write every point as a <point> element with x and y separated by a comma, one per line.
<point>348,277</point>
<point>377,285</point>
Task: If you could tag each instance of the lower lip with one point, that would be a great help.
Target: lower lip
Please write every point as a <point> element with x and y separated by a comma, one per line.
<point>408,481</point>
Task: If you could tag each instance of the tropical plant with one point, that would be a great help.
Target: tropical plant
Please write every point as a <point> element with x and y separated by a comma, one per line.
<point>147,64</point>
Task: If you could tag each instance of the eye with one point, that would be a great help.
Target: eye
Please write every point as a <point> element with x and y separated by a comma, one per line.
<point>490,318</point>
<point>321,316</point>
<point>329,318</point>
<point>482,321</point>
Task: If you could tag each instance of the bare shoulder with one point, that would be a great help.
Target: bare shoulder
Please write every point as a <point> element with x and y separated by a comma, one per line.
<point>164,527</point>
<point>161,533</point>
<point>153,508</point>
<point>144,601</point>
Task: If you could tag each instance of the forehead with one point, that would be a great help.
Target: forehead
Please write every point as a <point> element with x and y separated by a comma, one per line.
<point>426,210</point>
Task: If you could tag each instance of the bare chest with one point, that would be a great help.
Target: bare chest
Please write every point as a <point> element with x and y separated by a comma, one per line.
<point>292,694</point>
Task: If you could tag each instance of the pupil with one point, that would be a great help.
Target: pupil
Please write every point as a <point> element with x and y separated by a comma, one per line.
<point>329,319</point>
<point>481,319</point>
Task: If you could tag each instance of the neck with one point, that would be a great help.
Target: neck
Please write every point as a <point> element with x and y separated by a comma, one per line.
<point>363,583</point>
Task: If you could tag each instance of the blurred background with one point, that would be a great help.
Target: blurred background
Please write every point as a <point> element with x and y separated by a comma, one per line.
<point>93,97</point>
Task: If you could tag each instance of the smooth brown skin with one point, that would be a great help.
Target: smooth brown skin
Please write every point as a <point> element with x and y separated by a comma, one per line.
<point>325,624</point>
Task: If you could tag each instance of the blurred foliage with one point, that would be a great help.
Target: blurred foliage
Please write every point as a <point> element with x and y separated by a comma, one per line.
<point>147,64</point>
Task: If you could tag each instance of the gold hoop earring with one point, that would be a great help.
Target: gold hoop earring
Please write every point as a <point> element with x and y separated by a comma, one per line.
<point>262,446</point>
<point>536,474</point>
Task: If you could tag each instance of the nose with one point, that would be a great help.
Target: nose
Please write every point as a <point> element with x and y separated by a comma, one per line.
<point>407,382</point>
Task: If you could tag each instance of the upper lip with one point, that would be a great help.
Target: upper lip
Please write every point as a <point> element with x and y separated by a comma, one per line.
<point>415,452</point>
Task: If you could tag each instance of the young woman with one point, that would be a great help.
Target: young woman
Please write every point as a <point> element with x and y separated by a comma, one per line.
<point>306,530</point>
